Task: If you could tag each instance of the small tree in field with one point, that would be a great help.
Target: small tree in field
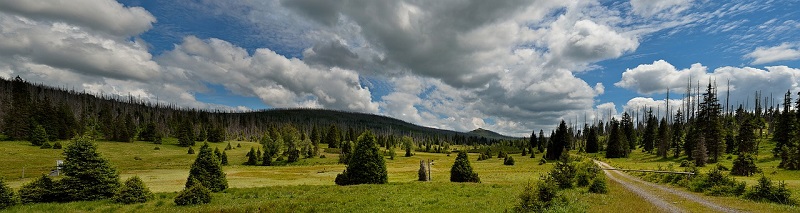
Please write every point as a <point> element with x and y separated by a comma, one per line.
<point>7,197</point>
<point>133,191</point>
<point>88,176</point>
<point>207,170</point>
<point>39,136</point>
<point>366,165</point>
<point>744,165</point>
<point>40,190</point>
<point>462,170</point>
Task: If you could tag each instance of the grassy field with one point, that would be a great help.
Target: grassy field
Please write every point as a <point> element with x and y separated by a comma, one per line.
<point>307,186</point>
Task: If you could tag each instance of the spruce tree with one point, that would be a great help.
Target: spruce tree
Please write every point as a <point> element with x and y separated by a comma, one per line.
<point>224,159</point>
<point>133,191</point>
<point>251,157</point>
<point>785,126</point>
<point>41,190</point>
<point>186,134</point>
<point>267,161</point>
<point>614,148</point>
<point>711,125</point>
<point>592,143</point>
<point>744,165</point>
<point>650,132</point>
<point>533,142</point>
<point>700,156</point>
<point>207,170</point>
<point>366,165</point>
<point>629,132</point>
<point>558,142</point>
<point>462,170</point>
<point>346,151</point>
<point>88,176</point>
<point>332,138</point>
<point>191,151</point>
<point>39,136</point>
<point>7,197</point>
<point>677,135</point>
<point>663,138</point>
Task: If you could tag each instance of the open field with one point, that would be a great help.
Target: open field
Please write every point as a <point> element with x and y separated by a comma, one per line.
<point>307,186</point>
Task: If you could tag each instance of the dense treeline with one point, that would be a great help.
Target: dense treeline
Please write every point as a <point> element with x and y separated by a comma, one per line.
<point>63,113</point>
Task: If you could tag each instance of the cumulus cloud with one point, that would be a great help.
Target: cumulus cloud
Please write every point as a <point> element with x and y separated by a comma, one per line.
<point>102,15</point>
<point>783,52</point>
<point>278,81</point>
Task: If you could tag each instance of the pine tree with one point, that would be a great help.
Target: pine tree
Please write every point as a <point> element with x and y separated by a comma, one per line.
<point>186,135</point>
<point>462,170</point>
<point>267,161</point>
<point>711,125</point>
<point>408,144</point>
<point>251,157</point>
<point>133,191</point>
<point>18,119</point>
<point>650,132</point>
<point>558,142</point>
<point>332,138</point>
<point>744,165</point>
<point>629,132</point>
<point>366,165</point>
<point>7,197</point>
<point>41,190</point>
<point>88,176</point>
<point>346,151</point>
<point>614,148</point>
<point>207,170</point>
<point>677,135</point>
<point>784,127</point>
<point>533,142</point>
<point>664,138</point>
<point>191,151</point>
<point>224,159</point>
<point>700,156</point>
<point>39,136</point>
<point>592,143</point>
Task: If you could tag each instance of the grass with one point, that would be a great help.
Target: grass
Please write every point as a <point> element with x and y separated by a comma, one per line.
<point>307,186</point>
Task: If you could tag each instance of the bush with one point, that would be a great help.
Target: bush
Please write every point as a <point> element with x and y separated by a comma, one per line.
<point>686,163</point>
<point>502,154</point>
<point>7,197</point>
<point>717,184</point>
<point>744,165</point>
<point>196,193</point>
<point>462,170</point>
<point>765,191</point>
<point>207,170</point>
<point>293,156</point>
<point>542,161</point>
<point>563,173</point>
<point>599,185</point>
<point>423,171</point>
<point>57,145</point>
<point>157,148</point>
<point>133,191</point>
<point>191,151</point>
<point>509,161</point>
<point>39,191</point>
<point>46,145</point>
<point>538,199</point>
<point>365,164</point>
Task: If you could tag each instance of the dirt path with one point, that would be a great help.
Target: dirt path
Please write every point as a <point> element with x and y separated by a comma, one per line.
<point>628,182</point>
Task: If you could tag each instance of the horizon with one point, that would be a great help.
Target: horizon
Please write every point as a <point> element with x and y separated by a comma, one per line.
<point>511,67</point>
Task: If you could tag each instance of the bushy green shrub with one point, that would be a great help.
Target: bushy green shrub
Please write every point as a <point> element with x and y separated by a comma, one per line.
<point>462,170</point>
<point>41,190</point>
<point>7,196</point>
<point>46,145</point>
<point>717,184</point>
<point>57,145</point>
<point>191,151</point>
<point>540,198</point>
<point>563,173</point>
<point>508,161</point>
<point>599,185</point>
<point>195,194</point>
<point>765,191</point>
<point>133,191</point>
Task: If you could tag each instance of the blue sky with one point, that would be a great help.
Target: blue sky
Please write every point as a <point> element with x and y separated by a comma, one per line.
<point>512,66</point>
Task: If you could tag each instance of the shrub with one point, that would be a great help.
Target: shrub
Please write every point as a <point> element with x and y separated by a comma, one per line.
<point>229,146</point>
<point>251,157</point>
<point>293,156</point>
<point>157,148</point>
<point>462,170</point>
<point>599,185</point>
<point>563,173</point>
<point>196,193</point>
<point>538,199</point>
<point>423,171</point>
<point>717,184</point>
<point>722,167</point>
<point>191,151</point>
<point>39,191</point>
<point>542,161</point>
<point>46,145</point>
<point>57,145</point>
<point>133,191</point>
<point>365,165</point>
<point>744,165</point>
<point>267,161</point>
<point>502,154</point>
<point>7,197</point>
<point>686,163</point>
<point>207,170</point>
<point>509,161</point>
<point>88,176</point>
<point>765,191</point>
<point>224,159</point>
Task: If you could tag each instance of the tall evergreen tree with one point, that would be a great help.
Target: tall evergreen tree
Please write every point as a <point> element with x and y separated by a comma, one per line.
<point>18,119</point>
<point>650,132</point>
<point>785,126</point>
<point>677,135</point>
<point>592,142</point>
<point>628,131</point>
<point>186,134</point>
<point>664,138</point>
<point>533,143</point>
<point>87,175</point>
<point>332,138</point>
<point>207,170</point>
<point>711,124</point>
<point>542,141</point>
<point>39,136</point>
<point>615,147</point>
<point>558,142</point>
<point>7,197</point>
<point>366,165</point>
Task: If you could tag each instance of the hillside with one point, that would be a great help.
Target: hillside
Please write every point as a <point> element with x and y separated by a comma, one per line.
<point>481,132</point>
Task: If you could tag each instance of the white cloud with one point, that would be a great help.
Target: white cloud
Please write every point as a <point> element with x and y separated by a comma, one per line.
<point>660,76</point>
<point>783,52</point>
<point>648,8</point>
<point>102,15</point>
<point>275,79</point>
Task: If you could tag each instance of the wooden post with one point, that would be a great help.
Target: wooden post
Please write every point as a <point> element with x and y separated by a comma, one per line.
<point>429,171</point>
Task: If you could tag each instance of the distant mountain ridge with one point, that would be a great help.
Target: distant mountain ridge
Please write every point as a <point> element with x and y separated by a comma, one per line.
<point>491,134</point>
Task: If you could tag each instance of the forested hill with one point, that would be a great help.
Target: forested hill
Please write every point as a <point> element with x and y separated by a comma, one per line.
<point>63,113</point>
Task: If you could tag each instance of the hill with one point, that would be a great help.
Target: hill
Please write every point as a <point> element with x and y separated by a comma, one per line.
<point>481,132</point>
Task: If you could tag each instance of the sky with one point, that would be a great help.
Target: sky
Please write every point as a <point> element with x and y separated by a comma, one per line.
<point>511,66</point>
